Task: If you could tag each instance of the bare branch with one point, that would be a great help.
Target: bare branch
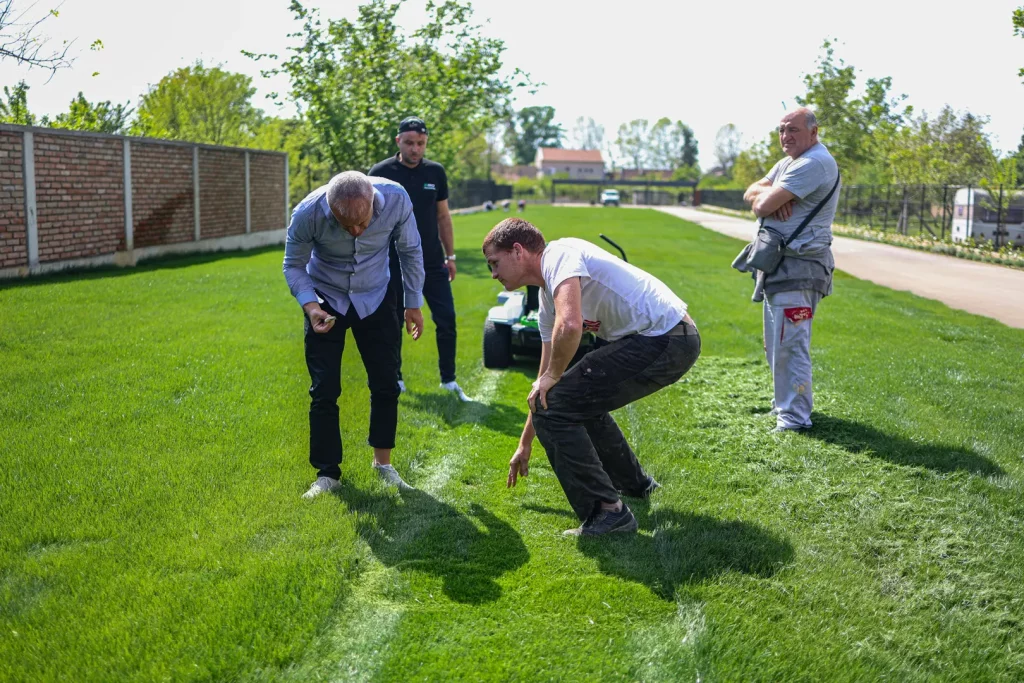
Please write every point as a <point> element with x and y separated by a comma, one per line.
<point>21,40</point>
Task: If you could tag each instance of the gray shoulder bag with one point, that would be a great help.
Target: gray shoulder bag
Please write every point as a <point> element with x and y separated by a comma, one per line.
<point>769,246</point>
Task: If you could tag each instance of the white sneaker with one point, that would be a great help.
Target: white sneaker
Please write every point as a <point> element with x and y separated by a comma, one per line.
<point>321,485</point>
<point>454,387</point>
<point>401,386</point>
<point>391,477</point>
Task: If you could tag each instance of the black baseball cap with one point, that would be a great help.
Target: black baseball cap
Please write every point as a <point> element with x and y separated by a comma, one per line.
<point>412,123</point>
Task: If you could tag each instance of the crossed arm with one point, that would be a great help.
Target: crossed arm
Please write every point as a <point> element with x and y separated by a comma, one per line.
<point>554,359</point>
<point>765,200</point>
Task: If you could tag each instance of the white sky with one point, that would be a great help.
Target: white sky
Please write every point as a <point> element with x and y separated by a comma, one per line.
<point>707,63</point>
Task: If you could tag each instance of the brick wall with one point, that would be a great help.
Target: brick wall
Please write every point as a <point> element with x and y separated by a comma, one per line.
<point>266,191</point>
<point>162,186</point>
<point>13,234</point>
<point>221,193</point>
<point>79,196</point>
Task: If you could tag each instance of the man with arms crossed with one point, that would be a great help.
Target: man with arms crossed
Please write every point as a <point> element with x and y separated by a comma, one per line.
<point>336,265</point>
<point>783,198</point>
<point>652,342</point>
<point>427,185</point>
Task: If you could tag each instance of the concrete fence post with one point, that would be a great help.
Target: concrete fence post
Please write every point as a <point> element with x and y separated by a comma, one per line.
<point>28,157</point>
<point>287,198</point>
<point>248,197</point>
<point>129,224</point>
<point>195,190</point>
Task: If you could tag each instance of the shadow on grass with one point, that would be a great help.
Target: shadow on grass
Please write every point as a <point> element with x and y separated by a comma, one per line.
<point>856,437</point>
<point>497,417</point>
<point>420,533</point>
<point>685,548</point>
<point>170,261</point>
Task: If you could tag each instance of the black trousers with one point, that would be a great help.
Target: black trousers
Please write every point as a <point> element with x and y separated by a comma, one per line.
<point>437,291</point>
<point>587,450</point>
<point>378,341</point>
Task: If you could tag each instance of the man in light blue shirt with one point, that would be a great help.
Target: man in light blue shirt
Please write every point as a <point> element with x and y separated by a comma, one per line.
<point>336,265</point>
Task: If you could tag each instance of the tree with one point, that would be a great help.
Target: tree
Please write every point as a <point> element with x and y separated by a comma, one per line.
<point>530,129</point>
<point>1020,160</point>
<point>20,40</point>
<point>754,163</point>
<point>14,106</point>
<point>851,127</point>
<point>949,149</point>
<point>586,134</point>
<point>727,147</point>
<point>690,153</point>
<point>200,104</point>
<point>102,117</point>
<point>354,80</point>
<point>672,145</point>
<point>1018,30</point>
<point>633,142</point>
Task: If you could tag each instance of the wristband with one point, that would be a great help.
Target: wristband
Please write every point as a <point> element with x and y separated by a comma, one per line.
<point>450,258</point>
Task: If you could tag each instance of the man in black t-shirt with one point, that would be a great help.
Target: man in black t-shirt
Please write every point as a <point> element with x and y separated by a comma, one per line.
<point>427,185</point>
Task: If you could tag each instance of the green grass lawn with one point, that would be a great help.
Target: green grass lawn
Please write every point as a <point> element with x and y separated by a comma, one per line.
<point>154,442</point>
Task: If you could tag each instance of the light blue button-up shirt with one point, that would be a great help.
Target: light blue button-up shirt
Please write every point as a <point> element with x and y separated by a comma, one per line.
<point>321,256</point>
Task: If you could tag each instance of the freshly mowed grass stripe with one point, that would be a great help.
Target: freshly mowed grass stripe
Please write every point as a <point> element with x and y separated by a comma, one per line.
<point>154,432</point>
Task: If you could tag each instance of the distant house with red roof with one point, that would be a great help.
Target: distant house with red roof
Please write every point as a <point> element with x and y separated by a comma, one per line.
<point>579,164</point>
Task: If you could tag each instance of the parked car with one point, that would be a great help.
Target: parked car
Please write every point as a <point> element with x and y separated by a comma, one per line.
<point>610,198</point>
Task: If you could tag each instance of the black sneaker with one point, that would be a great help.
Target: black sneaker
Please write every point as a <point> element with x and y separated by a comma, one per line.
<point>646,493</point>
<point>606,522</point>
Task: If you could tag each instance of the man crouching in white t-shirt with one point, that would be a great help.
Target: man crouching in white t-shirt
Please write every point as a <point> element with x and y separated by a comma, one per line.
<point>652,342</point>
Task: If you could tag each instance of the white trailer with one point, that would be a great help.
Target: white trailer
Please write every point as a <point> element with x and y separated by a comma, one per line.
<point>975,216</point>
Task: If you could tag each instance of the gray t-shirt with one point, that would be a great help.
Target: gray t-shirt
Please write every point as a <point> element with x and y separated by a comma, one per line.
<point>810,177</point>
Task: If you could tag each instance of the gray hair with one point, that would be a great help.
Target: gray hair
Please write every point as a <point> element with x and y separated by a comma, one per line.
<point>810,120</point>
<point>348,188</point>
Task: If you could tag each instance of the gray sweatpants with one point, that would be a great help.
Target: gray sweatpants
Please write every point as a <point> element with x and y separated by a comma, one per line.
<point>787,347</point>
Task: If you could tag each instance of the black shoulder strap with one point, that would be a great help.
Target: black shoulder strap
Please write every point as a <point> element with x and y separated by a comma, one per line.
<point>812,214</point>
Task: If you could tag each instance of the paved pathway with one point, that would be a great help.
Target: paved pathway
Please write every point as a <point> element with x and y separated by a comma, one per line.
<point>981,288</point>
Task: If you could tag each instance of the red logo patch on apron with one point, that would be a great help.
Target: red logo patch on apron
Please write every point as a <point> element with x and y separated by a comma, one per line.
<point>591,325</point>
<point>795,315</point>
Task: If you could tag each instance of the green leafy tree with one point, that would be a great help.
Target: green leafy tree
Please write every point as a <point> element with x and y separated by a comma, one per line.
<point>672,145</point>
<point>200,104</point>
<point>1018,30</point>
<point>949,149</point>
<point>753,164</point>
<point>530,129</point>
<point>633,142</point>
<point>851,126</point>
<point>14,106</point>
<point>102,117</point>
<point>354,80</point>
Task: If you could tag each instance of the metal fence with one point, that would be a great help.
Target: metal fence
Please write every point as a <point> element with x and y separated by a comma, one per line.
<point>475,192</point>
<point>910,209</point>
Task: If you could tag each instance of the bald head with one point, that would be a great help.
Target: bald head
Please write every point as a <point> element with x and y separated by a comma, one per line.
<point>798,131</point>
<point>350,196</point>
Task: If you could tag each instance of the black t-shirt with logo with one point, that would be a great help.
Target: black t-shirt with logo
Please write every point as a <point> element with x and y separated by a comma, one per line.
<point>426,184</point>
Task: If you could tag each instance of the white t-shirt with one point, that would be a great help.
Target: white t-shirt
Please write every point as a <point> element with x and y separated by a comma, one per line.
<point>618,299</point>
